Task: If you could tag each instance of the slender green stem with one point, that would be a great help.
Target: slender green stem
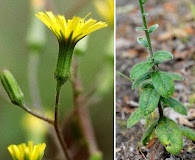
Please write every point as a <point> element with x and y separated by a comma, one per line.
<point>50,121</point>
<point>121,74</point>
<point>143,13</point>
<point>56,123</point>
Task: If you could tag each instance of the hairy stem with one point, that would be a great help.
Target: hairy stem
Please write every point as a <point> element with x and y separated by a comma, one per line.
<point>56,124</point>
<point>143,13</point>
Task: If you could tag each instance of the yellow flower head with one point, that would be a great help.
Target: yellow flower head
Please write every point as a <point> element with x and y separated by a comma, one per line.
<point>71,30</point>
<point>106,9</point>
<point>27,152</point>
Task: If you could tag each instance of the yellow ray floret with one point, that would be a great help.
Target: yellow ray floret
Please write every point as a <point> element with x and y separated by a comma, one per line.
<point>106,9</point>
<point>72,29</point>
<point>27,152</point>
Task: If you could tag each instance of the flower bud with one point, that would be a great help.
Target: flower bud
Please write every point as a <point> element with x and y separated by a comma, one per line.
<point>11,86</point>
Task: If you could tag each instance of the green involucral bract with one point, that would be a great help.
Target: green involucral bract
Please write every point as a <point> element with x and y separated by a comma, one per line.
<point>12,87</point>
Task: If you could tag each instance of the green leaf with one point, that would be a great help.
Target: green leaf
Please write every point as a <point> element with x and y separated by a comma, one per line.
<point>188,133</point>
<point>142,78</point>
<point>142,41</point>
<point>152,28</point>
<point>175,104</point>
<point>149,100</point>
<point>163,83</point>
<point>169,135</point>
<point>139,29</point>
<point>135,117</point>
<point>148,133</point>
<point>162,56</point>
<point>175,76</point>
<point>140,69</point>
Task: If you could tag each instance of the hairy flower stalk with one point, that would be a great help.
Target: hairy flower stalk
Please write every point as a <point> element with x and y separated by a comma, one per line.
<point>68,33</point>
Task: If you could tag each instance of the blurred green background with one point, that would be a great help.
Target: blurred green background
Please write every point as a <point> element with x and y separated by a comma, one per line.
<point>95,66</point>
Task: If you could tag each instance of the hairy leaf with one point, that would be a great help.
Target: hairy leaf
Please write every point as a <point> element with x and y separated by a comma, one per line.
<point>175,76</point>
<point>135,117</point>
<point>187,132</point>
<point>169,135</point>
<point>163,83</point>
<point>140,69</point>
<point>162,56</point>
<point>148,133</point>
<point>152,28</point>
<point>139,29</point>
<point>142,41</point>
<point>142,78</point>
<point>175,104</point>
<point>149,100</point>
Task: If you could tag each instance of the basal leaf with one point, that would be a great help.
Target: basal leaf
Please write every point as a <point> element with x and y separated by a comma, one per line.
<point>142,78</point>
<point>142,41</point>
<point>175,104</point>
<point>162,56</point>
<point>169,135</point>
<point>135,117</point>
<point>148,133</point>
<point>175,76</point>
<point>152,28</point>
<point>163,83</point>
<point>140,69</point>
<point>149,100</point>
<point>188,133</point>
